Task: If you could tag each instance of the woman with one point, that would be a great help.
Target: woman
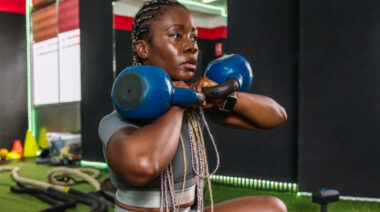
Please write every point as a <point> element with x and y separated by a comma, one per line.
<point>151,162</point>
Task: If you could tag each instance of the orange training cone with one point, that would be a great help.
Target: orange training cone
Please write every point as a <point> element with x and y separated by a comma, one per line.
<point>17,147</point>
<point>42,140</point>
<point>30,145</point>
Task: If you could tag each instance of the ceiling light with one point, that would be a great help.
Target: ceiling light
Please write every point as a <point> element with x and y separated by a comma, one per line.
<point>220,10</point>
<point>207,1</point>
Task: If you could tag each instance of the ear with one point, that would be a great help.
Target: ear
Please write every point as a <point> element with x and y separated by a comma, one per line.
<point>142,48</point>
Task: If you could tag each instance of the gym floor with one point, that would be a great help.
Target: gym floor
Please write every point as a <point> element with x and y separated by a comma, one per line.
<point>10,201</point>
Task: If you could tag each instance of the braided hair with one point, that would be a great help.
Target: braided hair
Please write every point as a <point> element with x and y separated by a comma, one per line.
<point>143,21</point>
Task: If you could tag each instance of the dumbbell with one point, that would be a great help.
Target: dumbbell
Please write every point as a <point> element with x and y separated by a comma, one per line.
<point>231,72</point>
<point>146,92</point>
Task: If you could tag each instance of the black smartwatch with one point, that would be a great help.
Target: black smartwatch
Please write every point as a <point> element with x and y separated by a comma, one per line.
<point>229,103</point>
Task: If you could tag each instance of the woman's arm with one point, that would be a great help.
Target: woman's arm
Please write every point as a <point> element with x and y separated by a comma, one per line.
<point>251,111</point>
<point>139,155</point>
<point>254,112</point>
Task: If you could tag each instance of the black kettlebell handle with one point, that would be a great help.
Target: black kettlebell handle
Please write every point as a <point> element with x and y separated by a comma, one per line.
<point>222,90</point>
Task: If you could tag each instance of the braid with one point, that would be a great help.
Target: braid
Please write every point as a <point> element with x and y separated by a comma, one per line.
<point>141,30</point>
<point>143,20</point>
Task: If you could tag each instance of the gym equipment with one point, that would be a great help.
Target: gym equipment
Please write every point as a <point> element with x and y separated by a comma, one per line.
<point>232,73</point>
<point>13,156</point>
<point>17,147</point>
<point>324,196</point>
<point>31,148</point>
<point>107,189</point>
<point>63,192</point>
<point>147,92</point>
<point>51,198</point>
<point>42,140</point>
<point>106,193</point>
<point>3,153</point>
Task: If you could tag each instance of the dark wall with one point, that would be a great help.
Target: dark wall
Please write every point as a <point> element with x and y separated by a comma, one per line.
<point>13,86</point>
<point>123,49</point>
<point>339,96</point>
<point>207,53</point>
<point>96,72</point>
<point>266,33</point>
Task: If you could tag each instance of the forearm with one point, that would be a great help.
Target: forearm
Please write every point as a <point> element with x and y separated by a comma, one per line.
<point>254,111</point>
<point>143,154</point>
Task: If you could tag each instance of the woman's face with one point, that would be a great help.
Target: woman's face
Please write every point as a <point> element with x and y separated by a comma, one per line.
<point>173,44</point>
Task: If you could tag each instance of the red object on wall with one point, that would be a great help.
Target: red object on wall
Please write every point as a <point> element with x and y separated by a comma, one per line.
<point>122,22</point>
<point>45,20</point>
<point>44,23</point>
<point>212,33</point>
<point>68,15</point>
<point>218,49</point>
<point>12,6</point>
<point>125,23</point>
<point>37,2</point>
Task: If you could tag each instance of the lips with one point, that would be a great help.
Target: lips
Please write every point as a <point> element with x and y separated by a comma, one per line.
<point>190,64</point>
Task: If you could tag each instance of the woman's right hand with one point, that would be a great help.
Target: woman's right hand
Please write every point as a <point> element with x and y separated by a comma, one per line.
<point>180,84</point>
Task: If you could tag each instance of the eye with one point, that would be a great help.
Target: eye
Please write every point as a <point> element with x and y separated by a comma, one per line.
<point>176,36</point>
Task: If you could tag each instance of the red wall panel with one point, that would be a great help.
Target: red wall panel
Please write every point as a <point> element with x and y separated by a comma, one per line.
<point>13,6</point>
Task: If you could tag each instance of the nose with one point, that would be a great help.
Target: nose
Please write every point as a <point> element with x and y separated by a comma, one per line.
<point>190,45</point>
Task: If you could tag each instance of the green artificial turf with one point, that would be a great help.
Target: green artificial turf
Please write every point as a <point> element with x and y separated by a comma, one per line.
<point>293,202</point>
<point>10,201</point>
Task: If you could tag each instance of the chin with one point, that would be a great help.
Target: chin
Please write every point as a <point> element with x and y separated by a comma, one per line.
<point>189,77</point>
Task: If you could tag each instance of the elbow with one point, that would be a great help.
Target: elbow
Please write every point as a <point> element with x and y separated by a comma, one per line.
<point>141,172</point>
<point>280,118</point>
<point>277,120</point>
<point>282,115</point>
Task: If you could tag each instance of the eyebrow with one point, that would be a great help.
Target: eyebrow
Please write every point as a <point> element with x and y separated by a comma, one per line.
<point>180,26</point>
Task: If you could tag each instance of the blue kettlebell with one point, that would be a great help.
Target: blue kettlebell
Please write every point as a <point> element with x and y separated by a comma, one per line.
<point>232,73</point>
<point>146,92</point>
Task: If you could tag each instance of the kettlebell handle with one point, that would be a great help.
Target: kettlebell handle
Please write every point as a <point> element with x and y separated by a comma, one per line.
<point>222,90</point>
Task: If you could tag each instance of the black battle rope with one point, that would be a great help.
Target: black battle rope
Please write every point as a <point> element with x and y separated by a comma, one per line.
<point>96,205</point>
<point>48,197</point>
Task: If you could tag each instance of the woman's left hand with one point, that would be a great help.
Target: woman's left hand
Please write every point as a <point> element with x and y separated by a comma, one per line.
<point>204,82</point>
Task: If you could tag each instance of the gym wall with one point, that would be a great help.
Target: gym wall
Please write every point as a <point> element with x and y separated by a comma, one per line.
<point>95,20</point>
<point>264,32</point>
<point>13,86</point>
<point>320,60</point>
<point>339,107</point>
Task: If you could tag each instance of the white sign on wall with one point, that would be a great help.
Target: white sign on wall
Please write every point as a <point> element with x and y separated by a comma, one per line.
<point>69,66</point>
<point>56,72</point>
<point>45,72</point>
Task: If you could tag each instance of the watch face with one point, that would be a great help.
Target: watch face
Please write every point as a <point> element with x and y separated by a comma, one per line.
<point>230,103</point>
